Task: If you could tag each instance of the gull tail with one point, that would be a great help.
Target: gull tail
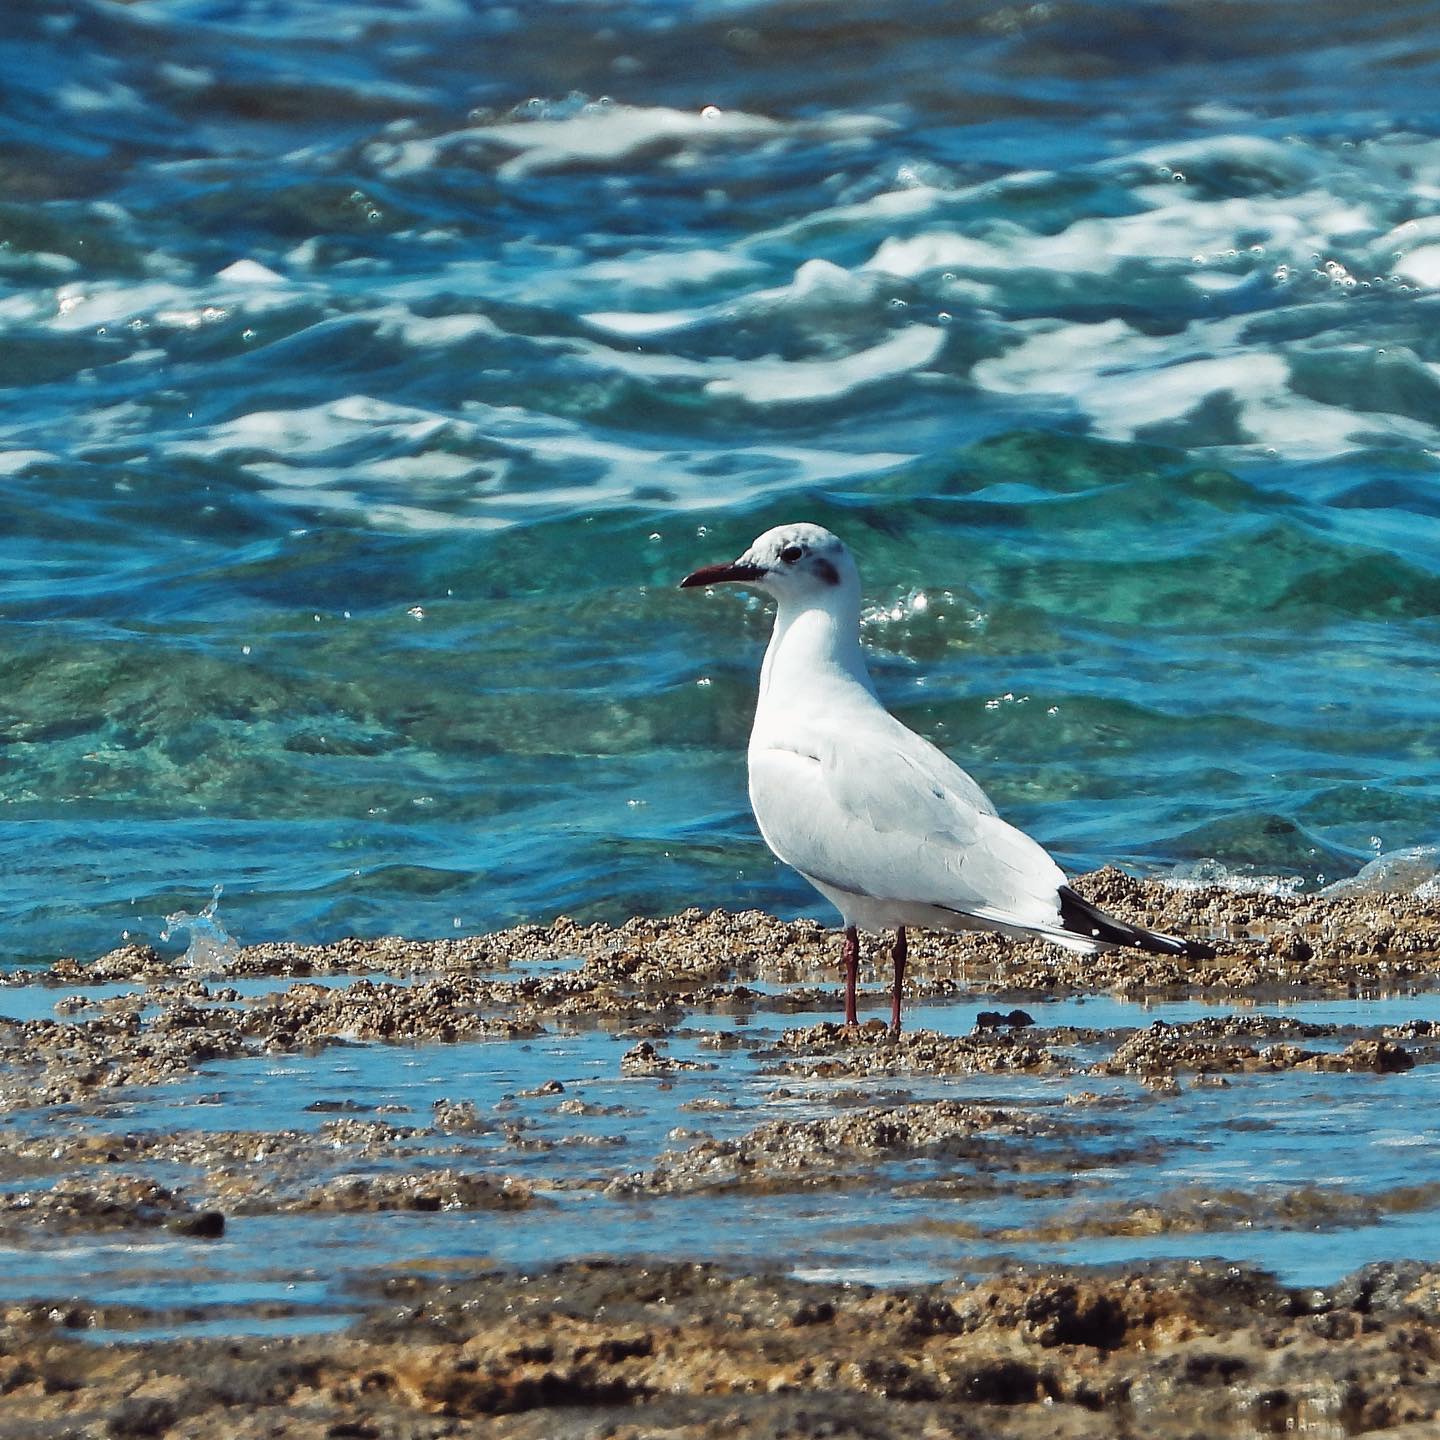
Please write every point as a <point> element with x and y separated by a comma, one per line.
<point>1079,917</point>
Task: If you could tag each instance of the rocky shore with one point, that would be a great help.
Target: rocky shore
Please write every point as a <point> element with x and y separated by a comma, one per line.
<point>720,1078</point>
<point>690,1350</point>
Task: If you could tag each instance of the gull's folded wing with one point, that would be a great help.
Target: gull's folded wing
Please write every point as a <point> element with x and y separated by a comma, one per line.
<point>881,812</point>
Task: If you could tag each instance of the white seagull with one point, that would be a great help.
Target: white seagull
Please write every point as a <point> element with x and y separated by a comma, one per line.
<point>890,830</point>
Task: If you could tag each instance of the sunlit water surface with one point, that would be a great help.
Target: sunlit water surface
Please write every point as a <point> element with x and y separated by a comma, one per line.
<point>1260,1135</point>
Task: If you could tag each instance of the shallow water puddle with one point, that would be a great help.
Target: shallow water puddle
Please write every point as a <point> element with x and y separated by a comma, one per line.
<point>1107,1011</point>
<point>45,1002</point>
<point>1304,1172</point>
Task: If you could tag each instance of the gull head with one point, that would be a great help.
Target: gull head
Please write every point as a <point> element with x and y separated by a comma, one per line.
<point>798,564</point>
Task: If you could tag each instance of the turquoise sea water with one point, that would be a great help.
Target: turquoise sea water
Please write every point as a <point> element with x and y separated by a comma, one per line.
<point>371,373</point>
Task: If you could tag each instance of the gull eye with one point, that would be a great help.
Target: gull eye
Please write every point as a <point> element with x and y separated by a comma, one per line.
<point>791,553</point>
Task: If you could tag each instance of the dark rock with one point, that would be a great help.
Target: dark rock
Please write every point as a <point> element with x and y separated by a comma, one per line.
<point>202,1225</point>
<point>139,1416</point>
<point>1000,1382</point>
<point>1067,1315</point>
<point>1214,1369</point>
<point>1003,1019</point>
<point>1384,1057</point>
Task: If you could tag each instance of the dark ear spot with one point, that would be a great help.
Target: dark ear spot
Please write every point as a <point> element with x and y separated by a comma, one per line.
<point>826,571</point>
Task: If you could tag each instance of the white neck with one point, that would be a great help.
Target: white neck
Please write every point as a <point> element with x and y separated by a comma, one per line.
<point>814,660</point>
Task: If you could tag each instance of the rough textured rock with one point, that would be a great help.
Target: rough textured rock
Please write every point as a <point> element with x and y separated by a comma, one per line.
<point>786,1154</point>
<point>1316,942</point>
<point>829,1050</point>
<point>435,1190</point>
<point>690,1350</point>
<point>694,1350</point>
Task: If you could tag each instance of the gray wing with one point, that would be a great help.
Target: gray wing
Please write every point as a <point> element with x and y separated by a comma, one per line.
<point>881,812</point>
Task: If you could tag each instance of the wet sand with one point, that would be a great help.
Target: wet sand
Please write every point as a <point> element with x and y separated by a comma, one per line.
<point>669,1344</point>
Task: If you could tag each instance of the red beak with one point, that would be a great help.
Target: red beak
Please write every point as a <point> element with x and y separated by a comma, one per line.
<point>717,574</point>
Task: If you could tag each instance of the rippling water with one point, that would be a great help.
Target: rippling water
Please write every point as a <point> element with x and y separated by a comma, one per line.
<point>372,372</point>
<point>1361,1141</point>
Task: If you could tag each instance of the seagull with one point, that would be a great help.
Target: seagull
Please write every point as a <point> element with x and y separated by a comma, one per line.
<point>888,828</point>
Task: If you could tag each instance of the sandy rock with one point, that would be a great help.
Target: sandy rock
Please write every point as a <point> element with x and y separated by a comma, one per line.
<point>829,1050</point>
<point>435,1190</point>
<point>785,1154</point>
<point>645,1059</point>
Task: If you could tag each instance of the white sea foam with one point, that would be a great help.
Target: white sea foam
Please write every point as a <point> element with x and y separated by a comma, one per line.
<point>656,269</point>
<point>57,265</point>
<point>776,382</point>
<point>770,380</point>
<point>1124,381</point>
<point>249,272</point>
<point>1098,365</point>
<point>1287,162</point>
<point>306,457</point>
<point>394,516</point>
<point>817,285</point>
<point>608,135</point>
<point>437,470</point>
<point>1171,228</point>
<point>432,330</point>
<point>890,207</point>
<point>14,462</point>
<point>937,250</point>
<point>185,77</point>
<point>1422,266</point>
<point>1301,218</point>
<point>79,305</point>
<point>885,208</point>
<point>109,98</point>
<point>770,466</point>
<point>658,322</point>
<point>84,305</point>
<point>560,277</point>
<point>314,430</point>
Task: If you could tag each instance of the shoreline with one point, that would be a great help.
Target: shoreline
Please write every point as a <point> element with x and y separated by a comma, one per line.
<point>602,1090</point>
<point>1311,942</point>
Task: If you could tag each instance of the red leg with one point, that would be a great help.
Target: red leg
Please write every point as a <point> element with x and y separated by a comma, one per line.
<point>851,956</point>
<point>898,953</point>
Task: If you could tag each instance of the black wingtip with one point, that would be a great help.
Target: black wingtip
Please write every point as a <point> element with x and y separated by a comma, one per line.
<point>1080,917</point>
